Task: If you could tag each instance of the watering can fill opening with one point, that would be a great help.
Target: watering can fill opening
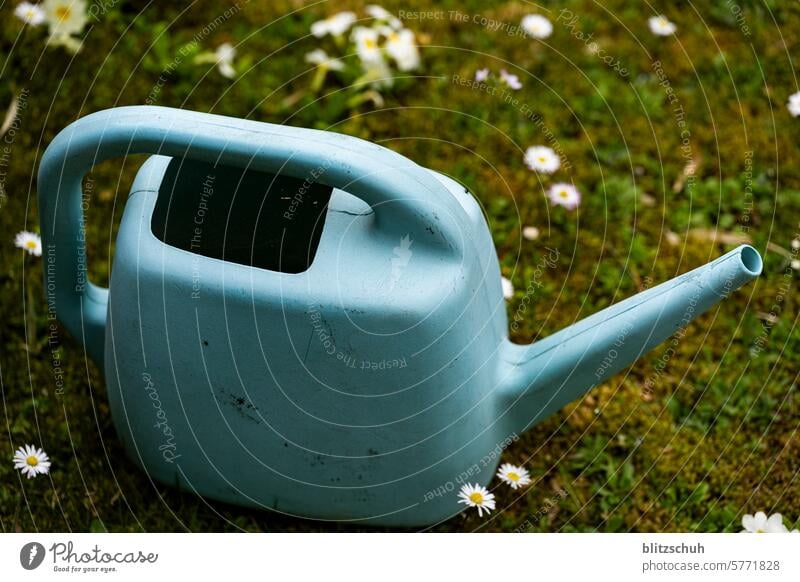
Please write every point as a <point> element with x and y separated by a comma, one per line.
<point>345,357</point>
<point>243,216</point>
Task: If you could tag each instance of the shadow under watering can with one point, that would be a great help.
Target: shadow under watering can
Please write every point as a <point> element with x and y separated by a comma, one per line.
<point>311,323</point>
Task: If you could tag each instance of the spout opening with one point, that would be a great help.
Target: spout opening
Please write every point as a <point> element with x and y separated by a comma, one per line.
<point>751,260</point>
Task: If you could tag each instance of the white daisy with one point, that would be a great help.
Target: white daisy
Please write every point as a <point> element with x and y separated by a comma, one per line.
<point>377,74</point>
<point>70,43</point>
<point>29,13</point>
<point>514,476</point>
<point>537,26</point>
<point>511,80</point>
<point>477,496</point>
<point>795,264</point>
<point>508,288</point>
<point>320,58</point>
<point>31,461</point>
<point>530,233</point>
<point>760,523</point>
<point>672,238</point>
<point>65,17</point>
<point>565,195</point>
<point>367,47</point>
<point>481,75</point>
<point>794,104</point>
<point>336,24</point>
<point>30,241</point>
<point>380,13</point>
<point>661,26</point>
<point>542,159</point>
<point>402,47</point>
<point>224,54</point>
<point>795,243</point>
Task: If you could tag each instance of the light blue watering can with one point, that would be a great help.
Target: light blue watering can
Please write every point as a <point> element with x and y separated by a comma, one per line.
<point>308,322</point>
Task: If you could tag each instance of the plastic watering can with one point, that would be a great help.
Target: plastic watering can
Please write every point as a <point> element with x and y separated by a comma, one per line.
<point>308,322</point>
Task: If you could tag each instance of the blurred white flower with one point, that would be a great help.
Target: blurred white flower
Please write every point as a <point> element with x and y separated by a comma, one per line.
<point>537,26</point>
<point>29,241</point>
<point>481,75</point>
<point>795,243</point>
<point>402,47</point>
<point>320,58</point>
<point>29,13</point>
<point>565,195</point>
<point>380,13</point>
<point>508,288</point>
<point>367,47</point>
<point>65,17</point>
<point>542,159</point>
<point>672,238</point>
<point>795,264</point>
<point>511,80</point>
<point>530,233</point>
<point>31,461</point>
<point>377,74</point>
<point>760,523</point>
<point>70,43</point>
<point>336,24</point>
<point>477,496</point>
<point>661,26</point>
<point>222,57</point>
<point>514,476</point>
<point>794,104</point>
<point>225,53</point>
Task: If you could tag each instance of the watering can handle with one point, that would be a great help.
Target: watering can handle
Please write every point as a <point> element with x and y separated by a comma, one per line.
<point>407,199</point>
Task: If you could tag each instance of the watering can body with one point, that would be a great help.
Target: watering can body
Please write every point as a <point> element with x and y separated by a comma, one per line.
<point>306,322</point>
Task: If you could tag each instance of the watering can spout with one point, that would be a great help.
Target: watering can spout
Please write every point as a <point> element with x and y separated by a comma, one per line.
<point>538,379</point>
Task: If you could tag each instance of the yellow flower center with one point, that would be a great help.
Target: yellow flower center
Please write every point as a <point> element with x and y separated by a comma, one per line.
<point>370,43</point>
<point>394,37</point>
<point>542,159</point>
<point>564,194</point>
<point>63,13</point>
<point>31,244</point>
<point>513,476</point>
<point>476,498</point>
<point>760,531</point>
<point>32,461</point>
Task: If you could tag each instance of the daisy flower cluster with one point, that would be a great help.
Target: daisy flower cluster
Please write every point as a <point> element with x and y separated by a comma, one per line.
<point>482,499</point>
<point>505,78</point>
<point>64,19</point>
<point>544,160</point>
<point>760,523</point>
<point>535,26</point>
<point>31,461</point>
<point>382,44</point>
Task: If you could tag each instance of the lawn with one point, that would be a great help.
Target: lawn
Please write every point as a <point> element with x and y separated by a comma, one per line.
<point>682,147</point>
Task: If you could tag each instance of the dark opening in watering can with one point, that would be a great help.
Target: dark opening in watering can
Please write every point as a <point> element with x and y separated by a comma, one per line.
<point>304,321</point>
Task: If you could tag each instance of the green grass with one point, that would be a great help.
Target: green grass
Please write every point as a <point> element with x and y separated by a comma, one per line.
<point>717,436</point>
